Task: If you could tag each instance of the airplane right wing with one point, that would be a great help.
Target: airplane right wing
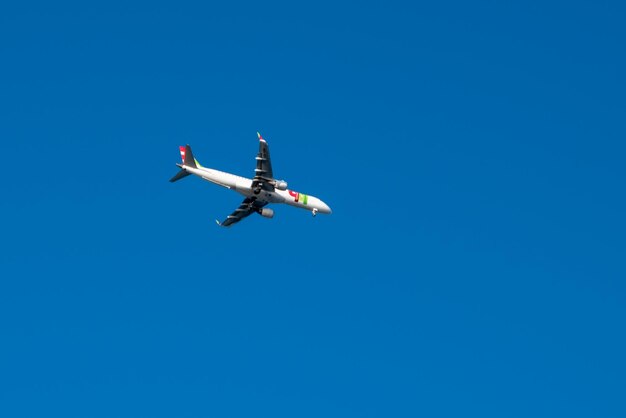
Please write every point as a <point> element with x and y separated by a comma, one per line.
<point>247,207</point>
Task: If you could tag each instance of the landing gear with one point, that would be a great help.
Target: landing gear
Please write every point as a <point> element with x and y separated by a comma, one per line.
<point>314,211</point>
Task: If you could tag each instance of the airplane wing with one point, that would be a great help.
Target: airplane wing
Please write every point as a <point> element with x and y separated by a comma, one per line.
<point>263,174</point>
<point>247,207</point>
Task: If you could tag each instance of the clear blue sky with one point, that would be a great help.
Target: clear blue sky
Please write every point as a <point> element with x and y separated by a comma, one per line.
<point>473,154</point>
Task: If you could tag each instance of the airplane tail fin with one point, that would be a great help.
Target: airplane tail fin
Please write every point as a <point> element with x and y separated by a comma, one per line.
<point>187,157</point>
<point>188,161</point>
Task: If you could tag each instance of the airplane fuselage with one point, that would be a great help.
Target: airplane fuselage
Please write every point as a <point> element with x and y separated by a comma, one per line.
<point>243,186</point>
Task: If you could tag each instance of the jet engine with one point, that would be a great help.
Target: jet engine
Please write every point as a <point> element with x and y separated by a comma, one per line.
<point>281,185</point>
<point>267,212</point>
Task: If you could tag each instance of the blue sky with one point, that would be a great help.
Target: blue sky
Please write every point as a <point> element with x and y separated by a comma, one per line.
<point>473,156</point>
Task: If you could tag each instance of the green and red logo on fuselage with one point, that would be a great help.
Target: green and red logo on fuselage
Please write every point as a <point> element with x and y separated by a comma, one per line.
<point>299,197</point>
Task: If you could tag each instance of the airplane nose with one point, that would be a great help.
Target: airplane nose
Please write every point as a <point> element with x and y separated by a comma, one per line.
<point>324,208</point>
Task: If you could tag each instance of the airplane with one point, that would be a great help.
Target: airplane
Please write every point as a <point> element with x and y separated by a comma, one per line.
<point>259,191</point>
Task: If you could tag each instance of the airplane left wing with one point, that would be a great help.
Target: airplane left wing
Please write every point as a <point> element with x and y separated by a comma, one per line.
<point>247,207</point>
<point>263,174</point>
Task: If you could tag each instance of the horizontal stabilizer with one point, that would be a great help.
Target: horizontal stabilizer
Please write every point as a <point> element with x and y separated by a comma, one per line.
<point>180,175</point>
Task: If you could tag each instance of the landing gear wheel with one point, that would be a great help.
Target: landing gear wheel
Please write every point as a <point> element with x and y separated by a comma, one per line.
<point>314,212</point>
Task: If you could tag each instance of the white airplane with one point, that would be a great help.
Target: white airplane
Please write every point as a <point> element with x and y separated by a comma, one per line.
<point>259,191</point>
